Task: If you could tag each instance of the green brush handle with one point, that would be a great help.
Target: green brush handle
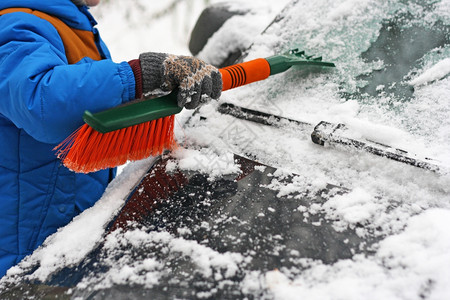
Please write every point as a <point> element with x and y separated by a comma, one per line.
<point>133,114</point>
<point>233,76</point>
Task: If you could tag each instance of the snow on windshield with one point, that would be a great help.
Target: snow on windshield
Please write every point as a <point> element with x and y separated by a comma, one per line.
<point>409,208</point>
<point>409,204</point>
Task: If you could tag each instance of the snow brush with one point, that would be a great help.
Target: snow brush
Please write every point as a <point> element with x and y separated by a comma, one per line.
<point>140,129</point>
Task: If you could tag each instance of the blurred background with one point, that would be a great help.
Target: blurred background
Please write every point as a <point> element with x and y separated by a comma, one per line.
<point>134,26</point>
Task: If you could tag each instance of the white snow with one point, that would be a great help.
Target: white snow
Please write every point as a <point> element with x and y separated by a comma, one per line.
<point>347,8</point>
<point>147,273</point>
<point>357,206</point>
<point>218,49</point>
<point>436,72</point>
<point>408,265</point>
<point>406,207</point>
<point>205,160</point>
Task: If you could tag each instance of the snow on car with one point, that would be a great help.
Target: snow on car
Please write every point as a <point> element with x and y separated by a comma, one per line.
<point>255,209</point>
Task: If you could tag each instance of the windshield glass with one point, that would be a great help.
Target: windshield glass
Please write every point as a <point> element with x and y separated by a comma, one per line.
<point>392,66</point>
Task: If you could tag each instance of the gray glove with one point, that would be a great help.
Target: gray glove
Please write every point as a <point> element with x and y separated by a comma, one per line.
<point>196,80</point>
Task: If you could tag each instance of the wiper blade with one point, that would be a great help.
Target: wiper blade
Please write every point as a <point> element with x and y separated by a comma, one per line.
<point>326,133</point>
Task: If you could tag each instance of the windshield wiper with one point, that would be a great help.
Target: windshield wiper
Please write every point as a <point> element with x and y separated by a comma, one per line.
<point>332,134</point>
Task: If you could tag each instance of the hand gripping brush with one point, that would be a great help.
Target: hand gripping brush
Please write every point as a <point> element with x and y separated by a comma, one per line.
<point>143,128</point>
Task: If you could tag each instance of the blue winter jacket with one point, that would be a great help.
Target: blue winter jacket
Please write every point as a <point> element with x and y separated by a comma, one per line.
<point>42,99</point>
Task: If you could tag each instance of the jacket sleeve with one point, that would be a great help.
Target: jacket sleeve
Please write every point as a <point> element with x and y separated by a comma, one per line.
<point>44,95</point>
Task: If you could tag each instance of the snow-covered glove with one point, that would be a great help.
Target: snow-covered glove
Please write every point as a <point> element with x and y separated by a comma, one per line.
<point>196,80</point>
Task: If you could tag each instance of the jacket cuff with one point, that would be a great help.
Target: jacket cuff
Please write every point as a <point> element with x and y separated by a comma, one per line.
<point>136,68</point>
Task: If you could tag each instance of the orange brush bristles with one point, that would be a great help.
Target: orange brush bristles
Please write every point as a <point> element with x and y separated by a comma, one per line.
<point>87,150</point>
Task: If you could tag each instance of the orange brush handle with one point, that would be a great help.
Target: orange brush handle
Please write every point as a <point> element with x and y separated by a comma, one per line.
<point>244,73</point>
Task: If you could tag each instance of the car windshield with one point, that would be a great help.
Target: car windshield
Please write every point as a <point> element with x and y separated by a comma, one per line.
<point>257,209</point>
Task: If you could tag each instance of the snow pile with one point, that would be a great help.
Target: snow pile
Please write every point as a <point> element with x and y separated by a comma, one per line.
<point>404,267</point>
<point>419,257</point>
<point>436,72</point>
<point>356,207</point>
<point>204,160</point>
<point>147,272</point>
<point>296,187</point>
